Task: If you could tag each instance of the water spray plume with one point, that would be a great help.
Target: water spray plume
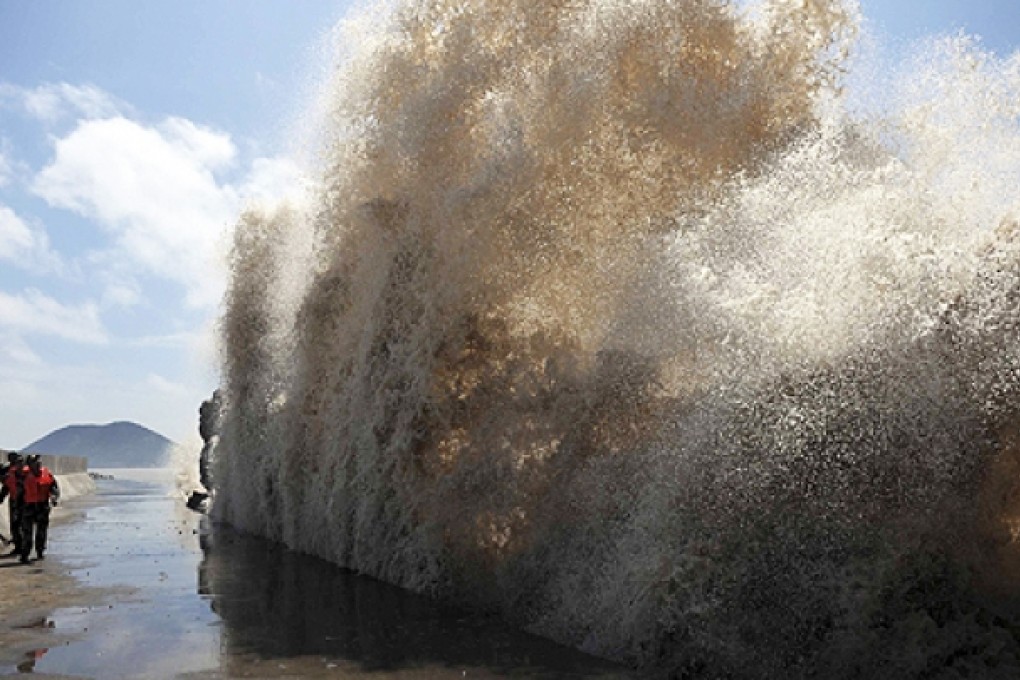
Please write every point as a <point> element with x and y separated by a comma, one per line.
<point>613,318</point>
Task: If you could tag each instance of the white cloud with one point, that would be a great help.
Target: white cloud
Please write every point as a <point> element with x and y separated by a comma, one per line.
<point>52,102</point>
<point>38,314</point>
<point>161,384</point>
<point>186,340</point>
<point>16,350</point>
<point>159,201</point>
<point>116,277</point>
<point>206,147</point>
<point>5,169</point>
<point>25,246</point>
<point>15,236</point>
<point>12,168</point>
<point>121,294</point>
<point>155,191</point>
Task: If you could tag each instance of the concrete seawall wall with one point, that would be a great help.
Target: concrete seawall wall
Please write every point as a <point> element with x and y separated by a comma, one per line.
<point>58,465</point>
<point>65,465</point>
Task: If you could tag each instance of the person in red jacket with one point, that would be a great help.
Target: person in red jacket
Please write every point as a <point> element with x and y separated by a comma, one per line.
<point>40,491</point>
<point>10,487</point>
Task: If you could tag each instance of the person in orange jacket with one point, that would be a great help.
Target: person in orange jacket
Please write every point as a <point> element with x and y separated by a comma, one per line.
<point>40,492</point>
<point>13,478</point>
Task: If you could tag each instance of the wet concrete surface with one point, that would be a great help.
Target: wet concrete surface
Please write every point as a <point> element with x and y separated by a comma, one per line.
<point>174,596</point>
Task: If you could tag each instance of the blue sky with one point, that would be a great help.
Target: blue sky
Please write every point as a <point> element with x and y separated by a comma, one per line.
<point>997,22</point>
<point>131,134</point>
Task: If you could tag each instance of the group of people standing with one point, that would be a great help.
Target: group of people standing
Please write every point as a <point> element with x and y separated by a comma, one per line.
<point>32,490</point>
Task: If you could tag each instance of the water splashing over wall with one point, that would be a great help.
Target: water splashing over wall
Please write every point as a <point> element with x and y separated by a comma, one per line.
<point>613,318</point>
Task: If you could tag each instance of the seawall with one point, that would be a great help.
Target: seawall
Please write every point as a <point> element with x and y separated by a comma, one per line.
<point>65,465</point>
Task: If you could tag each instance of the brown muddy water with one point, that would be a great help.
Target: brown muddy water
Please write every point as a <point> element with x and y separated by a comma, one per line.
<point>185,598</point>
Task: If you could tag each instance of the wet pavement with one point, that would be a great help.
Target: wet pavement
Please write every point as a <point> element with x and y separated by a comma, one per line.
<point>181,598</point>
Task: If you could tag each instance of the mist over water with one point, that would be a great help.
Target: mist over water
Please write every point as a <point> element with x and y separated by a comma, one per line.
<point>616,318</point>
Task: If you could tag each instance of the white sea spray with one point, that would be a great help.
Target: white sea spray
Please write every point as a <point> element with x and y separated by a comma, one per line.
<point>614,317</point>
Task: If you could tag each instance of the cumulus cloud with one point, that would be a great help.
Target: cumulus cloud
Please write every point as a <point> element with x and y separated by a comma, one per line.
<point>154,190</point>
<point>17,351</point>
<point>52,102</point>
<point>159,192</point>
<point>116,277</point>
<point>25,246</point>
<point>15,236</point>
<point>159,201</point>
<point>34,313</point>
<point>5,169</point>
<point>161,384</point>
<point>205,147</point>
<point>121,294</point>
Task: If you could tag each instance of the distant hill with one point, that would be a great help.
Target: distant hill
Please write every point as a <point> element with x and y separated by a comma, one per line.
<point>117,445</point>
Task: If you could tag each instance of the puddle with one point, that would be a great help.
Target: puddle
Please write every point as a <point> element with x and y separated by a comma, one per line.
<point>200,601</point>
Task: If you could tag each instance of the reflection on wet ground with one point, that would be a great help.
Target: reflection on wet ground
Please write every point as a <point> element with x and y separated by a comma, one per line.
<point>202,602</point>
